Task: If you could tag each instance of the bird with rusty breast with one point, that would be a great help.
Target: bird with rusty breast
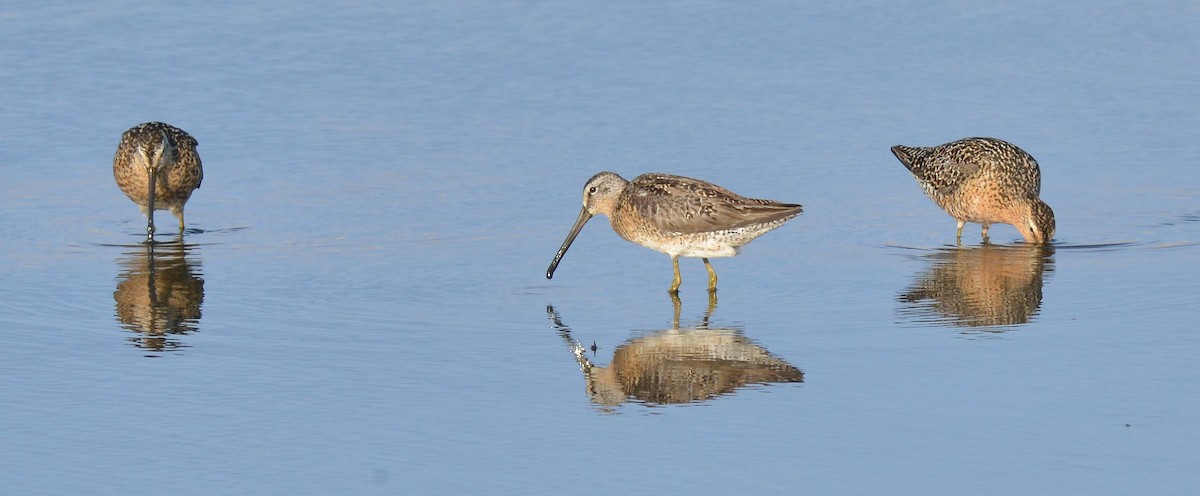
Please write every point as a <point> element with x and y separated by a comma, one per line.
<point>678,216</point>
<point>983,180</point>
<point>158,168</point>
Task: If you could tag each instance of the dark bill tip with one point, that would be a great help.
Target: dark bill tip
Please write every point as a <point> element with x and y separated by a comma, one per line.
<point>584,215</point>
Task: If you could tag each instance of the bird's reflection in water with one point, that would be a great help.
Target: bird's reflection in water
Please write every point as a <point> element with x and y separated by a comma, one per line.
<point>159,293</point>
<point>979,286</point>
<point>677,365</point>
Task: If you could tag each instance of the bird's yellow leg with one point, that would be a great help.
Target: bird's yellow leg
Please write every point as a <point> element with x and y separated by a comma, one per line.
<point>712,276</point>
<point>675,282</point>
<point>958,234</point>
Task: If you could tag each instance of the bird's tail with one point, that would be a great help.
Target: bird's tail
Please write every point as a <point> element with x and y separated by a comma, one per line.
<point>910,156</point>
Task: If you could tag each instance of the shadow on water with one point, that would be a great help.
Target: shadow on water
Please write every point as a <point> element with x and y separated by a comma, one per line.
<point>159,294</point>
<point>676,365</point>
<point>986,287</point>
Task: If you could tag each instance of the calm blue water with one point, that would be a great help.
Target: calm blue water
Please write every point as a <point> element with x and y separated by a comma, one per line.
<point>359,305</point>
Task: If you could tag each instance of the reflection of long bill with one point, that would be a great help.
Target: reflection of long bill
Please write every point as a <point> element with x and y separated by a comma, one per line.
<point>584,216</point>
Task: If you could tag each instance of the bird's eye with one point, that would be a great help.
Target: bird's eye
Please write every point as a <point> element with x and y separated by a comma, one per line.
<point>591,190</point>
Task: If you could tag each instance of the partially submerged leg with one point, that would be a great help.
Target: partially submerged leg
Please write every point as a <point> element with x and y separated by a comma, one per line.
<point>712,276</point>
<point>985,230</point>
<point>676,304</point>
<point>675,282</point>
<point>958,234</point>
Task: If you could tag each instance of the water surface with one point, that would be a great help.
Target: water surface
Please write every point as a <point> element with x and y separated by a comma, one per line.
<point>360,306</point>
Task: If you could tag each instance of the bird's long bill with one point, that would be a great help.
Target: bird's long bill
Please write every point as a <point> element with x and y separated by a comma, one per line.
<point>153,175</point>
<point>584,215</point>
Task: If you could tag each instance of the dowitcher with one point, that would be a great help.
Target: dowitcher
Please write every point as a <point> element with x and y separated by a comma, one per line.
<point>677,215</point>
<point>984,180</point>
<point>157,167</point>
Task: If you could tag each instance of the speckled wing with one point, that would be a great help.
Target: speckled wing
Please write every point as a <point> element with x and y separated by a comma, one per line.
<point>684,205</point>
<point>186,145</point>
<point>196,157</point>
<point>945,172</point>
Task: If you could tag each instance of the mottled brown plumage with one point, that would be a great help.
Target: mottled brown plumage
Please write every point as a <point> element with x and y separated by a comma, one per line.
<point>162,151</point>
<point>677,215</point>
<point>983,180</point>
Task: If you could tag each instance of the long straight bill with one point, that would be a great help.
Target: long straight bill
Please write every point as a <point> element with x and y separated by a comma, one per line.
<point>153,175</point>
<point>584,215</point>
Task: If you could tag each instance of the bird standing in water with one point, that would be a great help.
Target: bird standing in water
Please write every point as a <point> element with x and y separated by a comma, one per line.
<point>157,167</point>
<point>677,215</point>
<point>984,180</point>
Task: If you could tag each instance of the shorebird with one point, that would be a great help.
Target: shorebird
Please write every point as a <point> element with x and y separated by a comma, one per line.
<point>157,167</point>
<point>677,215</point>
<point>984,180</point>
